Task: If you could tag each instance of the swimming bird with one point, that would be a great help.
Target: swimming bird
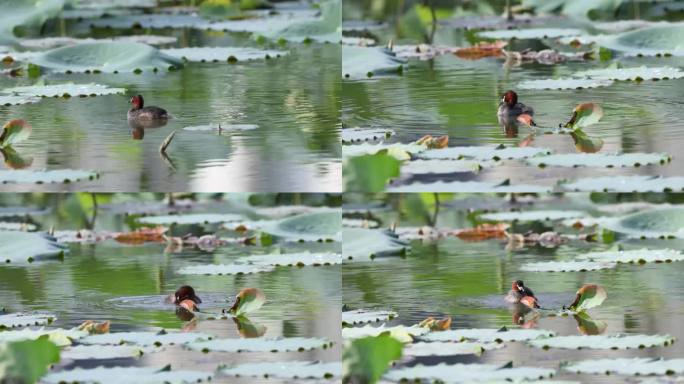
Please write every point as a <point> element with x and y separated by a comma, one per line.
<point>511,111</point>
<point>185,297</point>
<point>140,113</point>
<point>520,294</point>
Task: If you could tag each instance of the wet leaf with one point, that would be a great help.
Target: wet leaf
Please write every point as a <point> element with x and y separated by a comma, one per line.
<point>294,259</point>
<point>58,336</point>
<point>355,223</point>
<point>222,54</point>
<point>353,135</point>
<point>360,316</point>
<point>13,320</point>
<point>325,28</point>
<point>109,57</point>
<point>12,226</point>
<point>603,342</point>
<point>25,176</point>
<point>564,83</point>
<point>639,256</point>
<point>317,226</point>
<point>21,247</point>
<point>530,33</point>
<point>399,332</point>
<point>397,150</point>
<point>636,183</point>
<point>26,361</point>
<point>487,152</point>
<point>487,335</point>
<point>566,266</point>
<point>145,338</point>
<point>14,131</point>
<point>441,348</point>
<point>221,128</point>
<point>436,324</point>
<point>365,244</point>
<point>588,326</point>
<point>97,352</point>
<point>467,373</point>
<point>469,187</point>
<point>632,73</point>
<point>422,167</point>
<point>539,215</point>
<point>601,160</point>
<point>114,375</point>
<point>247,301</point>
<point>366,359</point>
<point>656,223</point>
<point>8,100</point>
<point>584,115</point>
<point>65,90</point>
<point>291,344</point>
<point>651,41</point>
<point>587,297</point>
<point>247,329</point>
<point>366,62</point>
<point>26,13</point>
<point>627,366</point>
<point>224,269</point>
<point>197,218</point>
<point>286,370</point>
<point>483,232</point>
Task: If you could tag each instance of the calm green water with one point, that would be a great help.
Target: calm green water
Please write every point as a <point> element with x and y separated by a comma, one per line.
<point>468,281</point>
<point>126,284</point>
<point>456,97</point>
<point>294,100</point>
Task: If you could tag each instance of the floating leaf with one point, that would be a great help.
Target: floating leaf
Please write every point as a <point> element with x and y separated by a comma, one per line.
<point>27,13</point>
<point>230,54</point>
<point>64,90</point>
<point>458,373</point>
<point>481,50</point>
<point>224,269</point>
<point>326,28</point>
<point>360,316</point>
<point>585,114</point>
<point>441,166</point>
<point>399,332</point>
<point>640,256</point>
<point>531,33</point>
<point>198,218</point>
<point>353,135</point>
<point>627,366</point>
<point>656,223</point>
<point>8,100</point>
<point>603,342</point>
<point>110,57</point>
<point>294,259</point>
<point>540,215</point>
<point>286,370</point>
<point>469,187</point>
<point>24,176</point>
<point>58,336</point>
<point>11,226</point>
<point>632,73</point>
<point>440,348</point>
<point>365,62</point>
<point>655,40</point>
<point>247,301</point>
<point>366,359</point>
<point>362,243</point>
<point>259,345</point>
<point>14,131</point>
<point>114,375</point>
<point>97,352</point>
<point>587,297</point>
<point>487,335</point>
<point>145,338</point>
<point>26,361</point>
<point>13,320</point>
<point>487,152</point>
<point>600,160</point>
<point>28,246</point>
<point>636,183</point>
<point>566,266</point>
<point>397,150</point>
<point>349,223</point>
<point>317,226</point>
<point>221,128</point>
<point>564,83</point>
<point>483,232</point>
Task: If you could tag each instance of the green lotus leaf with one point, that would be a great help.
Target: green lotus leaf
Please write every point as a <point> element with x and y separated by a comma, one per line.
<point>14,131</point>
<point>13,320</point>
<point>286,370</point>
<point>109,57</point>
<point>600,160</point>
<point>360,316</point>
<point>317,226</point>
<point>326,28</point>
<point>564,83</point>
<point>259,344</point>
<point>442,348</point>
<point>603,342</point>
<point>145,338</point>
<point>530,33</point>
<point>632,73</point>
<point>460,373</point>
<point>12,226</point>
<point>147,375</point>
<point>203,54</point>
<point>656,223</point>
<point>197,218</point>
<point>362,243</point>
<point>469,187</point>
<point>27,13</point>
<point>634,256</point>
<point>364,62</point>
<point>98,352</point>
<point>58,336</point>
<point>655,40</point>
<point>488,335</point>
<point>420,167</point>
<point>397,150</point>
<point>399,332</point>
<point>486,152</point>
<point>540,215</point>
<point>224,269</point>
<point>26,361</point>
<point>25,176</point>
<point>635,183</point>
<point>566,266</point>
<point>70,89</point>
<point>366,359</point>
<point>627,366</point>
<point>353,135</point>
<point>28,247</point>
<point>294,259</point>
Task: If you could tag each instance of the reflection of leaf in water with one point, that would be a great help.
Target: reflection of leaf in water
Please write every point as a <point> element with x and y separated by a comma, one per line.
<point>584,143</point>
<point>588,326</point>
<point>247,329</point>
<point>14,160</point>
<point>14,131</point>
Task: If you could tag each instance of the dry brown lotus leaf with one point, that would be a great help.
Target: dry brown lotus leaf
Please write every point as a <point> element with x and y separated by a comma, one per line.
<point>436,324</point>
<point>482,50</point>
<point>142,235</point>
<point>483,232</point>
<point>431,142</point>
<point>95,328</point>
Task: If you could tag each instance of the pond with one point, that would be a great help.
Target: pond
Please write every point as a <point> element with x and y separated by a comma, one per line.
<point>458,96</point>
<point>280,116</point>
<point>127,283</point>
<point>468,280</point>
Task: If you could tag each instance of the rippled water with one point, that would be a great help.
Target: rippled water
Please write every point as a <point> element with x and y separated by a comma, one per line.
<point>468,281</point>
<point>128,283</point>
<point>459,98</point>
<point>294,101</point>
